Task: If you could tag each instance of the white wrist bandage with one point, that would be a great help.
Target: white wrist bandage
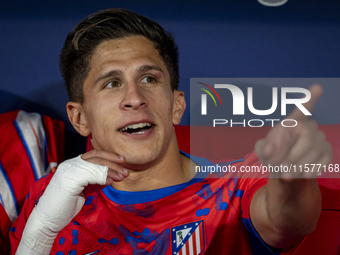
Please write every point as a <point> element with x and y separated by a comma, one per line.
<point>60,203</point>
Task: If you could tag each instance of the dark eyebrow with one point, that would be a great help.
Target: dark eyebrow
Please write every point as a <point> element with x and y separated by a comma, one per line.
<point>108,74</point>
<point>142,69</point>
<point>146,68</point>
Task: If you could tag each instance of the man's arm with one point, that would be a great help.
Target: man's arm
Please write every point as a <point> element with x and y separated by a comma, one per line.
<point>284,212</point>
<point>288,207</point>
<point>65,196</point>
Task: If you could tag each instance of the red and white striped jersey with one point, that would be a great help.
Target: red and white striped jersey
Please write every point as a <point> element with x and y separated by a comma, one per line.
<point>31,145</point>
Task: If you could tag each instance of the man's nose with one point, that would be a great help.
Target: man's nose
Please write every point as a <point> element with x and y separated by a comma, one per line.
<point>134,97</point>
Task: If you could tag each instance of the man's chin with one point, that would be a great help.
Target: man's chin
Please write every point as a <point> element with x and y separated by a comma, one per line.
<point>139,162</point>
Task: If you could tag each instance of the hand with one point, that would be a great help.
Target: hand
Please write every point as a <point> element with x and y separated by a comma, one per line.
<point>111,160</point>
<point>303,144</point>
<point>288,207</point>
<point>64,197</point>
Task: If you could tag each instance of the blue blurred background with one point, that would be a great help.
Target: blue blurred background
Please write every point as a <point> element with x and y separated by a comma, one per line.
<point>230,38</point>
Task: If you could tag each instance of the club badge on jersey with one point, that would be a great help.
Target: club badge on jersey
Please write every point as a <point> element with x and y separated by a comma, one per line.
<point>188,239</point>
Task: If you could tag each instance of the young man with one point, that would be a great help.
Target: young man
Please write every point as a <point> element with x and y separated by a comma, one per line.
<point>121,74</point>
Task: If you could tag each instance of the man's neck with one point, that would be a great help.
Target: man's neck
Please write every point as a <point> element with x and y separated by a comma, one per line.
<point>172,169</point>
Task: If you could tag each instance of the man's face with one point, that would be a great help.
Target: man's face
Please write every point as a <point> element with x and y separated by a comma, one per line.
<point>129,107</point>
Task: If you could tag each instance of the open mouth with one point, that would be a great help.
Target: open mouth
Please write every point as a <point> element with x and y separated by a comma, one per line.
<point>136,129</point>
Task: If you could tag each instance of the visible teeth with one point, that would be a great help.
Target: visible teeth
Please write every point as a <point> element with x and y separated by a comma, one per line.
<point>140,132</point>
<point>135,126</point>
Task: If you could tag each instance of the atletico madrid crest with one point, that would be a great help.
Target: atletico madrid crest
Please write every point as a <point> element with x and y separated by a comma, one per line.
<point>188,239</point>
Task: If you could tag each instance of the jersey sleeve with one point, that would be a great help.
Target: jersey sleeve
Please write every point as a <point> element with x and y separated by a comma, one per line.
<point>32,199</point>
<point>251,180</point>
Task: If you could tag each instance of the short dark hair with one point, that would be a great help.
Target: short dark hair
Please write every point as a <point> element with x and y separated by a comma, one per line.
<point>107,25</point>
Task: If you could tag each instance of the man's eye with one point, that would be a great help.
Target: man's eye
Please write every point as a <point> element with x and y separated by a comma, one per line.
<point>112,84</point>
<point>148,79</point>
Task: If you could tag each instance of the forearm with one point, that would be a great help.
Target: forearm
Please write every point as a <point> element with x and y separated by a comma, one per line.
<point>294,206</point>
<point>291,210</point>
<point>61,201</point>
<point>55,209</point>
<point>36,238</point>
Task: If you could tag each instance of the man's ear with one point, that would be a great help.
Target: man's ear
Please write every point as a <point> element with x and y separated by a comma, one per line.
<point>178,107</point>
<point>77,118</point>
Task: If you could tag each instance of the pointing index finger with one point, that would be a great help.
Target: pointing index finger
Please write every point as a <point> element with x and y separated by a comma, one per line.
<point>315,93</point>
